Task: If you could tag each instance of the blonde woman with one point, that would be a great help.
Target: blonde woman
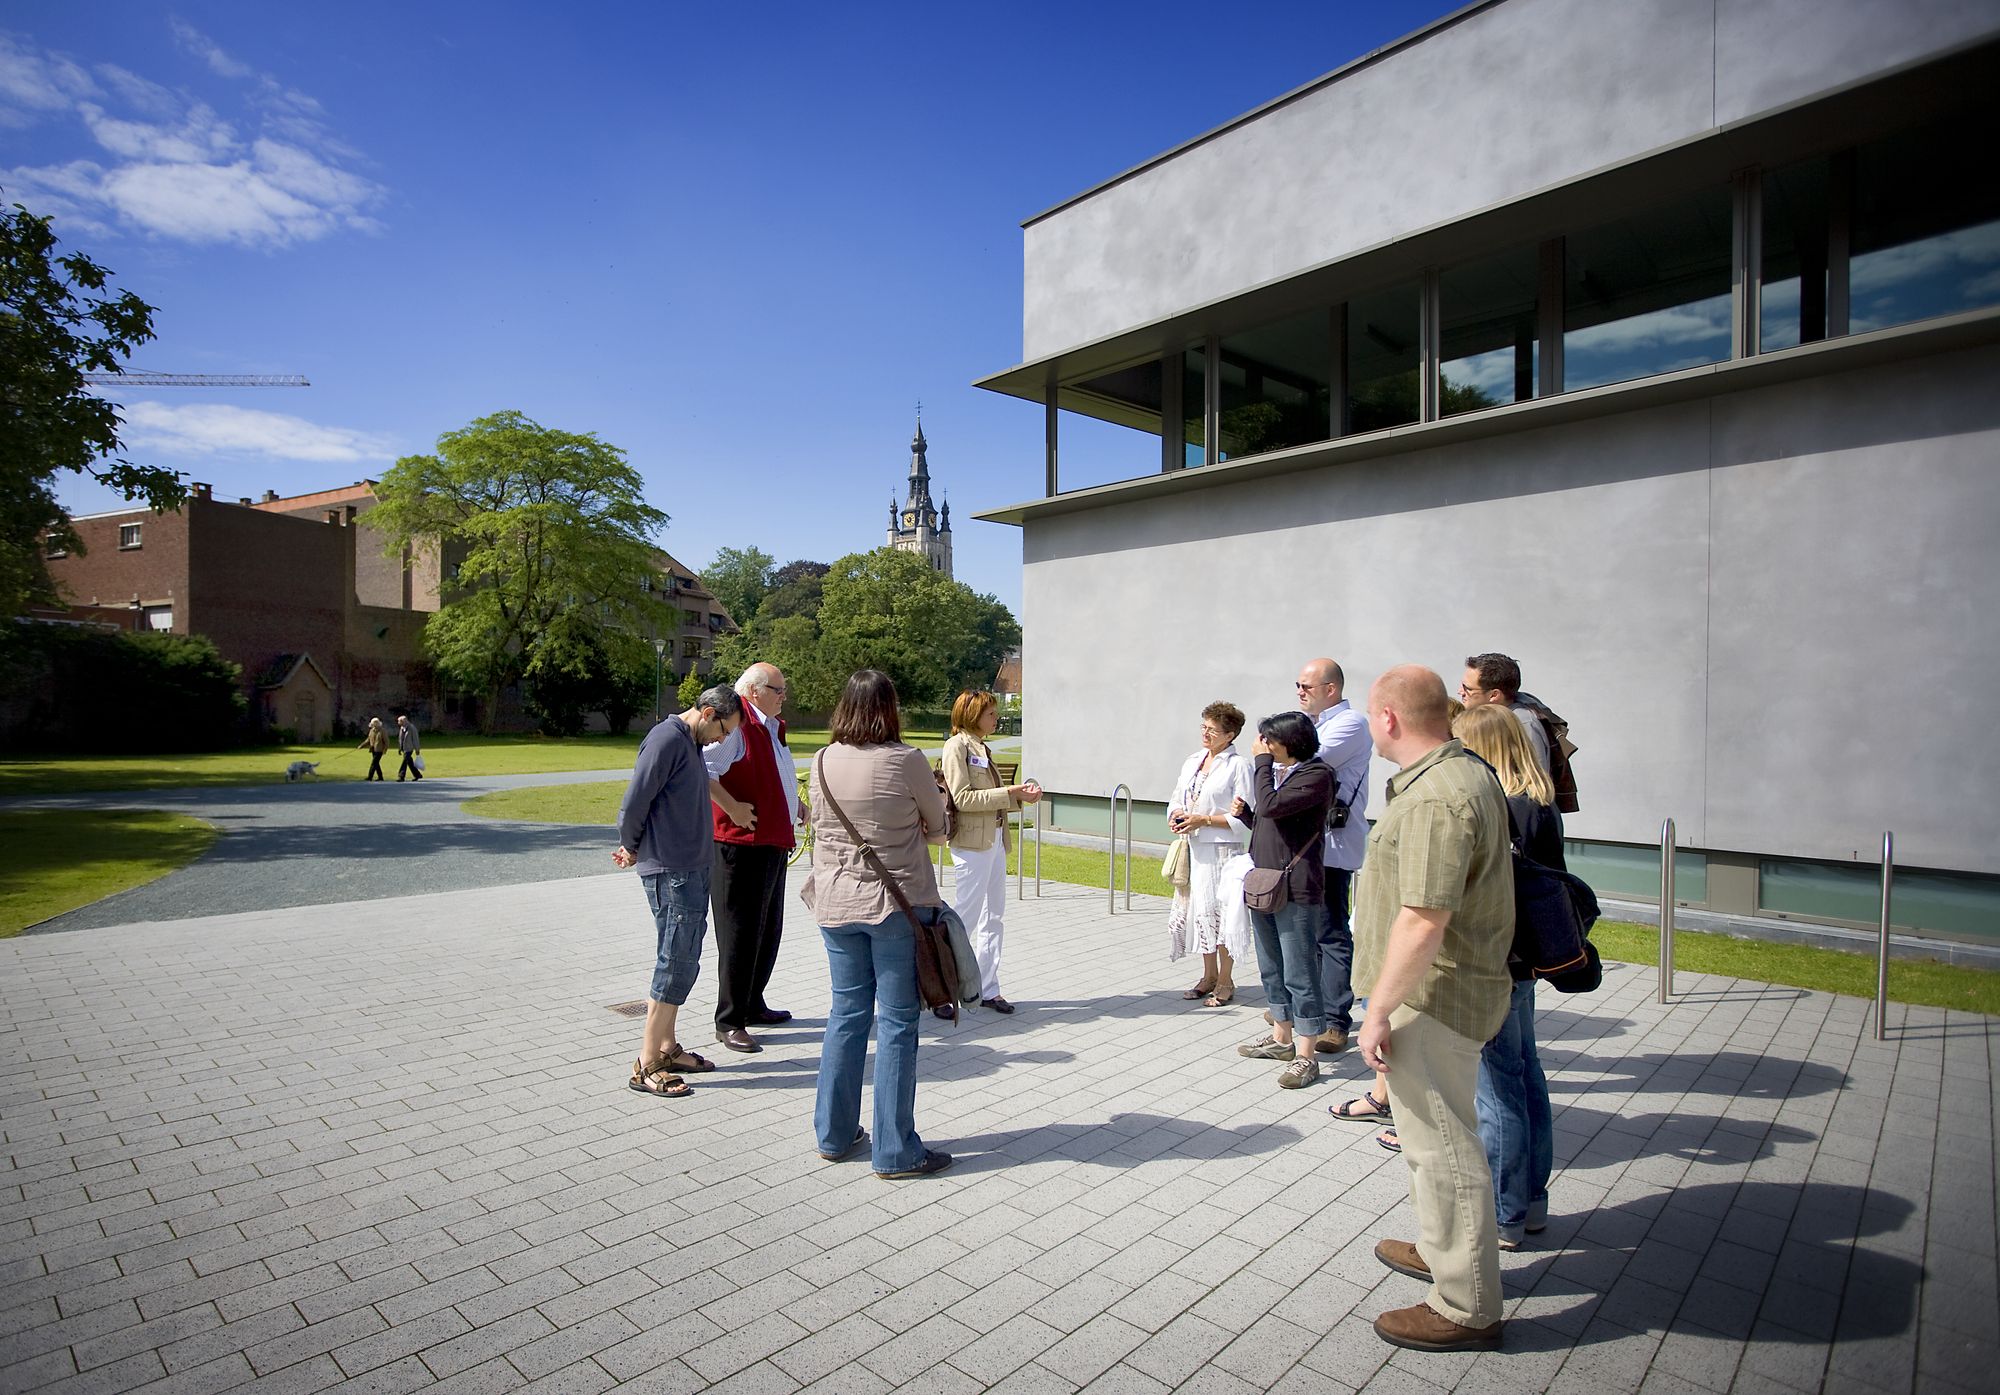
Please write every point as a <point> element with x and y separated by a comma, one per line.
<point>1516,1124</point>
<point>979,848</point>
<point>1211,780</point>
<point>375,743</point>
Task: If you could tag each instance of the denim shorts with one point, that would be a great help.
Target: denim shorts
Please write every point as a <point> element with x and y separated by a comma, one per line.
<point>680,922</point>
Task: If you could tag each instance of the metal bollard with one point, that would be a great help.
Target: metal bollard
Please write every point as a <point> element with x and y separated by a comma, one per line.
<point>1667,911</point>
<point>1882,939</point>
<point>1021,852</point>
<point>1111,874</point>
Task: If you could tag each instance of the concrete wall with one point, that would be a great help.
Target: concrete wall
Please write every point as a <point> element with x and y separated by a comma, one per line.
<point>1515,98</point>
<point>1768,614</point>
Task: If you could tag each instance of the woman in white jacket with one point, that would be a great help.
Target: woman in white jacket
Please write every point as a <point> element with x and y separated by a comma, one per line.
<point>979,847</point>
<point>1209,783</point>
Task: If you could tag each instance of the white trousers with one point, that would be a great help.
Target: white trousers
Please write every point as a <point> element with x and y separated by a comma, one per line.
<point>979,892</point>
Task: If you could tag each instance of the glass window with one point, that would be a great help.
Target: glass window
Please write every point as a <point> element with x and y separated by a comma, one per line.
<point>1960,904</point>
<point>156,617</point>
<point>1633,874</point>
<point>1487,348</point>
<point>1792,305</point>
<point>1648,294</point>
<point>1276,385</point>
<point>1384,352</point>
<point>1926,227</point>
<point>128,535</point>
<point>1110,426</point>
<point>1194,406</point>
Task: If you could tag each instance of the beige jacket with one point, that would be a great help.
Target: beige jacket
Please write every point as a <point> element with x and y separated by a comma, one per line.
<point>983,803</point>
<point>888,794</point>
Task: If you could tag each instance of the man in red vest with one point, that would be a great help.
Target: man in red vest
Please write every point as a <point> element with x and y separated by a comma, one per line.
<point>754,789</point>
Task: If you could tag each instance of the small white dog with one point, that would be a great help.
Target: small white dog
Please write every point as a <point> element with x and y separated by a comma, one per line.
<point>299,769</point>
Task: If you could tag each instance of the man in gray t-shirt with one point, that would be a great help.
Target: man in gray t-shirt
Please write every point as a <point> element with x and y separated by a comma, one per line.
<point>666,835</point>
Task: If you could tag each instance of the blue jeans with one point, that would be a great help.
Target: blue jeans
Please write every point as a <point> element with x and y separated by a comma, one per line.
<point>874,970</point>
<point>1515,1122</point>
<point>680,923</point>
<point>1288,962</point>
<point>1336,953</point>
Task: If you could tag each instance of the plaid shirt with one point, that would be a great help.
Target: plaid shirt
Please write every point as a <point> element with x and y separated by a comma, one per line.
<point>1441,844</point>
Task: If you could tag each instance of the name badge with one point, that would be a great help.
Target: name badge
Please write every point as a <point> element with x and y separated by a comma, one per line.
<point>979,762</point>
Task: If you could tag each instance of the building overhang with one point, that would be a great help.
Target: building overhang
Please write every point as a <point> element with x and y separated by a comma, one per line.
<point>1971,329</point>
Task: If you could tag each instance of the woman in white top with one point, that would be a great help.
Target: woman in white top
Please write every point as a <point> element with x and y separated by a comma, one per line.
<point>1209,784</point>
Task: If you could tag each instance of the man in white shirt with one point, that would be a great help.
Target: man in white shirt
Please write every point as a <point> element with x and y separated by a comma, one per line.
<point>1345,746</point>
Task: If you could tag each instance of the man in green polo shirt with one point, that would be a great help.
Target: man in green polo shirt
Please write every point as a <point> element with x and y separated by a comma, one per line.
<point>1433,921</point>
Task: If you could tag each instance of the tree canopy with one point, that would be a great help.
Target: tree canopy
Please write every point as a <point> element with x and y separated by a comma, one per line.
<point>544,539</point>
<point>739,577</point>
<point>884,609</point>
<point>58,322</point>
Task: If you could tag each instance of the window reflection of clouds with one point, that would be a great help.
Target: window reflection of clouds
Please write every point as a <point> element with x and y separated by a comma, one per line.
<point>1659,341</point>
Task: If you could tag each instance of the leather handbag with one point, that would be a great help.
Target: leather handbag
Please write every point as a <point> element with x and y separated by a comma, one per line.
<point>1269,889</point>
<point>938,977</point>
<point>1175,867</point>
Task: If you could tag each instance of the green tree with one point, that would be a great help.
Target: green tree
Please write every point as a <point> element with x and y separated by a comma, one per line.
<point>796,589</point>
<point>739,577</point>
<point>57,323</point>
<point>547,536</point>
<point>691,689</point>
<point>891,610</point>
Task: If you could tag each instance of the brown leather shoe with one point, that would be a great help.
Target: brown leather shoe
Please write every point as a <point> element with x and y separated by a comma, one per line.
<point>736,1039</point>
<point>1424,1329</point>
<point>1402,1256</point>
<point>1331,1041</point>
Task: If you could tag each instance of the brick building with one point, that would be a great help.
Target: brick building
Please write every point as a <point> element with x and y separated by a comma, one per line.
<point>327,627</point>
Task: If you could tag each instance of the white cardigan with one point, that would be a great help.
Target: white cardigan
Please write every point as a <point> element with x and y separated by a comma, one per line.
<point>1227,778</point>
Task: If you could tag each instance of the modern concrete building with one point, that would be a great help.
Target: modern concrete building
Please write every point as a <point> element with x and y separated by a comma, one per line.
<point>1654,344</point>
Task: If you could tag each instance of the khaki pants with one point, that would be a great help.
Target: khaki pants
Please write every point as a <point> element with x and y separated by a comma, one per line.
<point>1432,1074</point>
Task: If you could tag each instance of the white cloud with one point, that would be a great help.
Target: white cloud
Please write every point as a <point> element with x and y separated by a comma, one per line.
<point>176,168</point>
<point>185,429</point>
<point>206,49</point>
<point>1679,324</point>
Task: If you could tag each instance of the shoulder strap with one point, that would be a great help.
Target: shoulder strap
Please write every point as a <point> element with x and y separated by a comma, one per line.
<point>874,860</point>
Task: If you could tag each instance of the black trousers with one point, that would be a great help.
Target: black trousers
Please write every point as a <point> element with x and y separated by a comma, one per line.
<point>374,766</point>
<point>408,767</point>
<point>746,894</point>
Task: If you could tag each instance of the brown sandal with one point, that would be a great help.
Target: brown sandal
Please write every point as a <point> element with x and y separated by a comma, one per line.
<point>657,1080</point>
<point>1199,991</point>
<point>678,1057</point>
<point>1221,997</point>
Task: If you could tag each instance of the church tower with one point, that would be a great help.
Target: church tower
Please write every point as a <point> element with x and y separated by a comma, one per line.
<point>918,526</point>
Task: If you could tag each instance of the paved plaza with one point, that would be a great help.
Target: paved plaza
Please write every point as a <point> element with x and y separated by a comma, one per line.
<point>387,1145</point>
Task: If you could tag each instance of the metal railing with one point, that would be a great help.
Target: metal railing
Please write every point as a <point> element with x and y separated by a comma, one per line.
<point>1882,937</point>
<point>1667,911</point>
<point>1021,850</point>
<point>1111,873</point>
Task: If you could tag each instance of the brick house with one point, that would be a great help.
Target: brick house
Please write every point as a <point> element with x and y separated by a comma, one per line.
<point>327,628</point>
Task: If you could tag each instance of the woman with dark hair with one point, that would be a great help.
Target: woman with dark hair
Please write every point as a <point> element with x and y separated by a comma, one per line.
<point>1293,790</point>
<point>885,792</point>
<point>979,846</point>
<point>1211,781</point>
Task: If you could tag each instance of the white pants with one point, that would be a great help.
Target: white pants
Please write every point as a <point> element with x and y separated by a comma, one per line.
<point>979,891</point>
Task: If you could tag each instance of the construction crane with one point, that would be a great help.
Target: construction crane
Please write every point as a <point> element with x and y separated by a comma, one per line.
<point>138,377</point>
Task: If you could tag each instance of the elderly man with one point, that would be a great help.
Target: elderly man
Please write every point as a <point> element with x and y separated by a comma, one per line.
<point>1343,745</point>
<point>754,785</point>
<point>664,836</point>
<point>1434,919</point>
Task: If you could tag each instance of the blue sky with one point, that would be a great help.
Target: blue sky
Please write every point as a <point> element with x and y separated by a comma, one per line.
<point>740,243</point>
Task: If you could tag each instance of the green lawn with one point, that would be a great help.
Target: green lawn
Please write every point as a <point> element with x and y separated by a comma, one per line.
<point>445,754</point>
<point>54,860</point>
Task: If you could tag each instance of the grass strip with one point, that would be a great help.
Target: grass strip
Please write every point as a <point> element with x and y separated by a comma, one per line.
<point>55,860</point>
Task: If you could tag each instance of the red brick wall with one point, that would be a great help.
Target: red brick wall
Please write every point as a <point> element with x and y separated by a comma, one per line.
<point>156,571</point>
<point>261,585</point>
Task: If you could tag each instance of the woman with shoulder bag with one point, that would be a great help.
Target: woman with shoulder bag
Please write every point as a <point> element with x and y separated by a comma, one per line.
<point>1210,783</point>
<point>875,806</point>
<point>1516,1121</point>
<point>1293,789</point>
<point>979,846</point>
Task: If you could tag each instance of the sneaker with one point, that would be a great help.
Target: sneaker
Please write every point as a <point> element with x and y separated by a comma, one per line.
<point>1268,1048</point>
<point>932,1163</point>
<point>1298,1074</point>
<point>1331,1042</point>
<point>1423,1328</point>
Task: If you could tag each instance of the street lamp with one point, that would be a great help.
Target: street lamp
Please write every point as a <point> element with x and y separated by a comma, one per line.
<point>659,658</point>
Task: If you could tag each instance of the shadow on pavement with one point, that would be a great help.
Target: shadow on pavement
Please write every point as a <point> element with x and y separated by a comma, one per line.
<point>1104,1142</point>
